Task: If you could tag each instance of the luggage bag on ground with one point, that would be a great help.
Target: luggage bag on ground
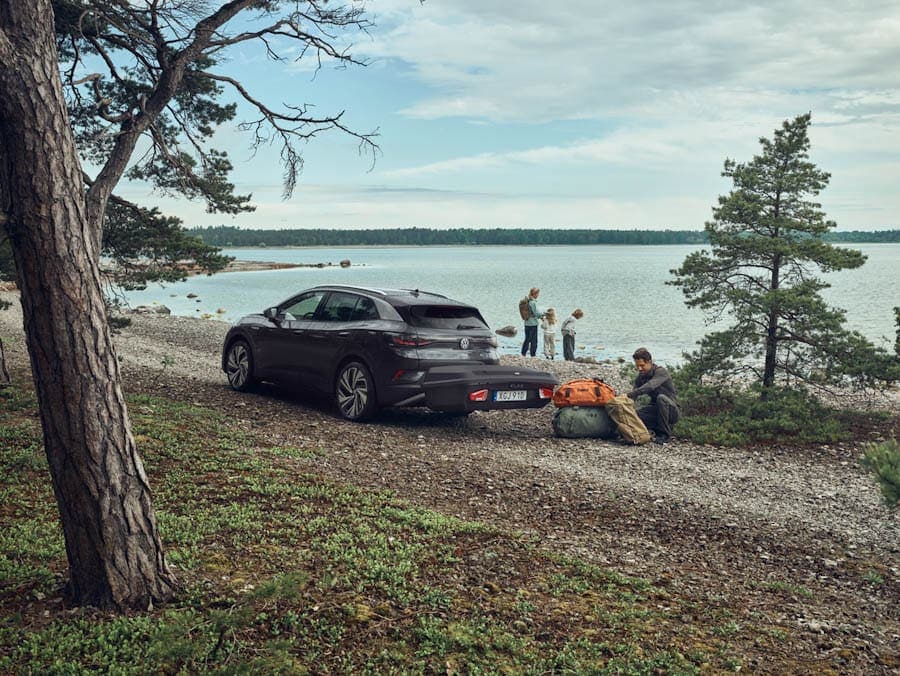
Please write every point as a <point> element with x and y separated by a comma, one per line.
<point>583,392</point>
<point>623,413</point>
<point>579,422</point>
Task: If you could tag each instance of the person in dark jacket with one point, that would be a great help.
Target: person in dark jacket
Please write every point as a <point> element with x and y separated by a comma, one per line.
<point>568,334</point>
<point>661,414</point>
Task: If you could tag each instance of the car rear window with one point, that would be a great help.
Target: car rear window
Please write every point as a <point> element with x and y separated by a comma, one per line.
<point>445,317</point>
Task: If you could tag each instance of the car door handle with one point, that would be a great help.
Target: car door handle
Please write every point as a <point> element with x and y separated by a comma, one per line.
<point>298,332</point>
<point>343,334</point>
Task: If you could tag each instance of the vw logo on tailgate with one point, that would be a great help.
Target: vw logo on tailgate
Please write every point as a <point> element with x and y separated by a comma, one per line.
<point>463,343</point>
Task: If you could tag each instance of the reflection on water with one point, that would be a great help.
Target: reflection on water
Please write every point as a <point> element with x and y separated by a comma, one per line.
<point>621,289</point>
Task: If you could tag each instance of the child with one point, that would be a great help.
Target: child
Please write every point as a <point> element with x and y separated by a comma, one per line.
<point>568,331</point>
<point>548,321</point>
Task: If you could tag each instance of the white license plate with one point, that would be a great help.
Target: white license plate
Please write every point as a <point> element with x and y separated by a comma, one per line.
<point>511,395</point>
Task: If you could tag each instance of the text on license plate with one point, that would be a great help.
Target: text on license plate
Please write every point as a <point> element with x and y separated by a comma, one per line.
<point>510,395</point>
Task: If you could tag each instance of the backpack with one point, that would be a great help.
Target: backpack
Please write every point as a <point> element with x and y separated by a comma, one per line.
<point>577,422</point>
<point>623,413</point>
<point>583,392</point>
<point>524,310</point>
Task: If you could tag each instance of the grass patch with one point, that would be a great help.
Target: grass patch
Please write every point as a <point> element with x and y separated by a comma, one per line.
<point>283,572</point>
<point>741,418</point>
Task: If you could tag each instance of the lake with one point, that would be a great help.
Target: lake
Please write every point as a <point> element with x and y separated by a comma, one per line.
<point>621,289</point>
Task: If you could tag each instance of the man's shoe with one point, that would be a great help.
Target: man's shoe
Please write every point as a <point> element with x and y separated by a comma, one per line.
<point>661,439</point>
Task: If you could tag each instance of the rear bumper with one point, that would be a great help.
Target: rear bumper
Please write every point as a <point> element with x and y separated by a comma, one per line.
<point>448,388</point>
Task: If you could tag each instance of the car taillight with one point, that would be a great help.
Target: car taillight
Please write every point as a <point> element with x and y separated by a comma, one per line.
<point>545,393</point>
<point>478,395</point>
<point>408,340</point>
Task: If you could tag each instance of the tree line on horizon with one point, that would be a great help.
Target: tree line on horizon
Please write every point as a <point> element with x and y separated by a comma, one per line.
<point>232,236</point>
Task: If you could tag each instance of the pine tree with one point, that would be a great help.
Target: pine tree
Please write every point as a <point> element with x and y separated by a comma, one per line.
<point>767,239</point>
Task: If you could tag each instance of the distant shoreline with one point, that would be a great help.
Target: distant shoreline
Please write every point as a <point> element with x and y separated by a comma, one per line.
<point>234,237</point>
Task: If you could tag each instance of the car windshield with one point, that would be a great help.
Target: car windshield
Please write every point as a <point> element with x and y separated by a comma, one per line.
<point>455,317</point>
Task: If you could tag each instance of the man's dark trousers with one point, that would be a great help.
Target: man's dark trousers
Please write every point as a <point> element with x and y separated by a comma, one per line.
<point>568,347</point>
<point>530,340</point>
<point>660,415</point>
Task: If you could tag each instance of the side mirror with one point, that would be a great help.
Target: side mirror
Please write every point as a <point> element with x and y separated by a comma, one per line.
<point>271,314</point>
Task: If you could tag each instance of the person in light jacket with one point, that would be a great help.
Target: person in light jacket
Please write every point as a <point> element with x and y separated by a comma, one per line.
<point>548,325</point>
<point>531,324</point>
<point>568,334</point>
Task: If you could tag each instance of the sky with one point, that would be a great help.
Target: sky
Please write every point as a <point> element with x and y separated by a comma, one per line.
<point>582,114</point>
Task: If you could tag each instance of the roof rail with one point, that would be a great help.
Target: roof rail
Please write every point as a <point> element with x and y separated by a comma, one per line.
<point>417,292</point>
<point>353,287</point>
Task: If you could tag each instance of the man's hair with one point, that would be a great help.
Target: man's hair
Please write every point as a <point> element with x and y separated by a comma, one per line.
<point>642,353</point>
<point>578,313</point>
<point>534,291</point>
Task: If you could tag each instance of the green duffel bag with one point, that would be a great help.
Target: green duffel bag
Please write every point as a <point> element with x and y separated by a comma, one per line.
<point>578,422</point>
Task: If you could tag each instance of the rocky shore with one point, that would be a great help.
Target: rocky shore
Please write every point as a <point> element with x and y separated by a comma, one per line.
<point>752,526</point>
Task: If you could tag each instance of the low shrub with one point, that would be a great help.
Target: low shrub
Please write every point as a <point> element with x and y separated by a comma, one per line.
<point>727,417</point>
<point>884,461</point>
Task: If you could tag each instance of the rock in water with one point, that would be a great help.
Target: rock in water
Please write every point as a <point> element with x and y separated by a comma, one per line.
<point>345,263</point>
<point>508,331</point>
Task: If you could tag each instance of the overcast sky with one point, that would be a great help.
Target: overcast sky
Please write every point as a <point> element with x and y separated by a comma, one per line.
<point>578,114</point>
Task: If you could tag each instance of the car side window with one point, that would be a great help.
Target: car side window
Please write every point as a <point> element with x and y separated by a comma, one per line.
<point>365,310</point>
<point>338,308</point>
<point>303,306</point>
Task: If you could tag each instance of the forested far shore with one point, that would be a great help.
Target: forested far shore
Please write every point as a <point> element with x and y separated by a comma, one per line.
<point>231,236</point>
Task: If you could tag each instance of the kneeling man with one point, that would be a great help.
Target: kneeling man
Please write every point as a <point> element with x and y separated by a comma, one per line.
<point>663,412</point>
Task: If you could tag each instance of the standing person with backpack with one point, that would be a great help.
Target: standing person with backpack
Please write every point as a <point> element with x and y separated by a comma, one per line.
<point>568,334</point>
<point>663,411</point>
<point>530,313</point>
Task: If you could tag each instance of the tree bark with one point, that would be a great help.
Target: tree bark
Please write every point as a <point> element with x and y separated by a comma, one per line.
<point>112,542</point>
<point>772,330</point>
<point>4,374</point>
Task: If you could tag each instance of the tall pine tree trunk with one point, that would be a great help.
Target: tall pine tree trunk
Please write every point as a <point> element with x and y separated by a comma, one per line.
<point>113,547</point>
<point>772,329</point>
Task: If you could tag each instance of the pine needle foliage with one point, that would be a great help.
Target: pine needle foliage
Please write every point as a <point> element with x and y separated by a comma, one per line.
<point>767,242</point>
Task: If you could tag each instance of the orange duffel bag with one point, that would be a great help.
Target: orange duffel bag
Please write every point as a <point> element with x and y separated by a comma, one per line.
<point>583,392</point>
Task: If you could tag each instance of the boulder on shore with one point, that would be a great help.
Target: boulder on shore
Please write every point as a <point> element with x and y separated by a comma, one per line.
<point>151,310</point>
<point>508,331</point>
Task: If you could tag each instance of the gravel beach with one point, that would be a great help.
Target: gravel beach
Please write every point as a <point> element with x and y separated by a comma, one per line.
<point>709,521</point>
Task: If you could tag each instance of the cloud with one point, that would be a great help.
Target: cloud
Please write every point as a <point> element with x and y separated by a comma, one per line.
<point>583,59</point>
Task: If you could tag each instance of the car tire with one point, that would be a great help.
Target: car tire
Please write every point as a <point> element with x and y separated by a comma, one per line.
<point>239,366</point>
<point>354,392</point>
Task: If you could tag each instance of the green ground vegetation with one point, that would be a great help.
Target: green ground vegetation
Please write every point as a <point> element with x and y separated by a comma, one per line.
<point>726,415</point>
<point>284,572</point>
<point>884,461</point>
<point>736,417</point>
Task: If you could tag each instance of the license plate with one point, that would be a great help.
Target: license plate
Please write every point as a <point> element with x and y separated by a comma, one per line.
<point>510,395</point>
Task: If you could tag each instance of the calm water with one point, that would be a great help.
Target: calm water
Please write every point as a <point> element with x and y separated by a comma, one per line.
<point>621,289</point>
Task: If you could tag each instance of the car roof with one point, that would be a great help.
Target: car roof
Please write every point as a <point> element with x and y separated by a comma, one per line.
<point>396,296</point>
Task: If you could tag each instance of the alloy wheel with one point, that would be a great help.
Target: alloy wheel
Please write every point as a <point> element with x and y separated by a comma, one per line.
<point>237,366</point>
<point>353,392</point>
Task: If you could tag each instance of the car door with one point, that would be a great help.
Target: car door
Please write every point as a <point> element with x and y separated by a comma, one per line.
<point>287,356</point>
<point>331,336</point>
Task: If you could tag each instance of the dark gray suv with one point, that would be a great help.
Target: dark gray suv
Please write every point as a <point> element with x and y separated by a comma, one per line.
<point>370,348</point>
